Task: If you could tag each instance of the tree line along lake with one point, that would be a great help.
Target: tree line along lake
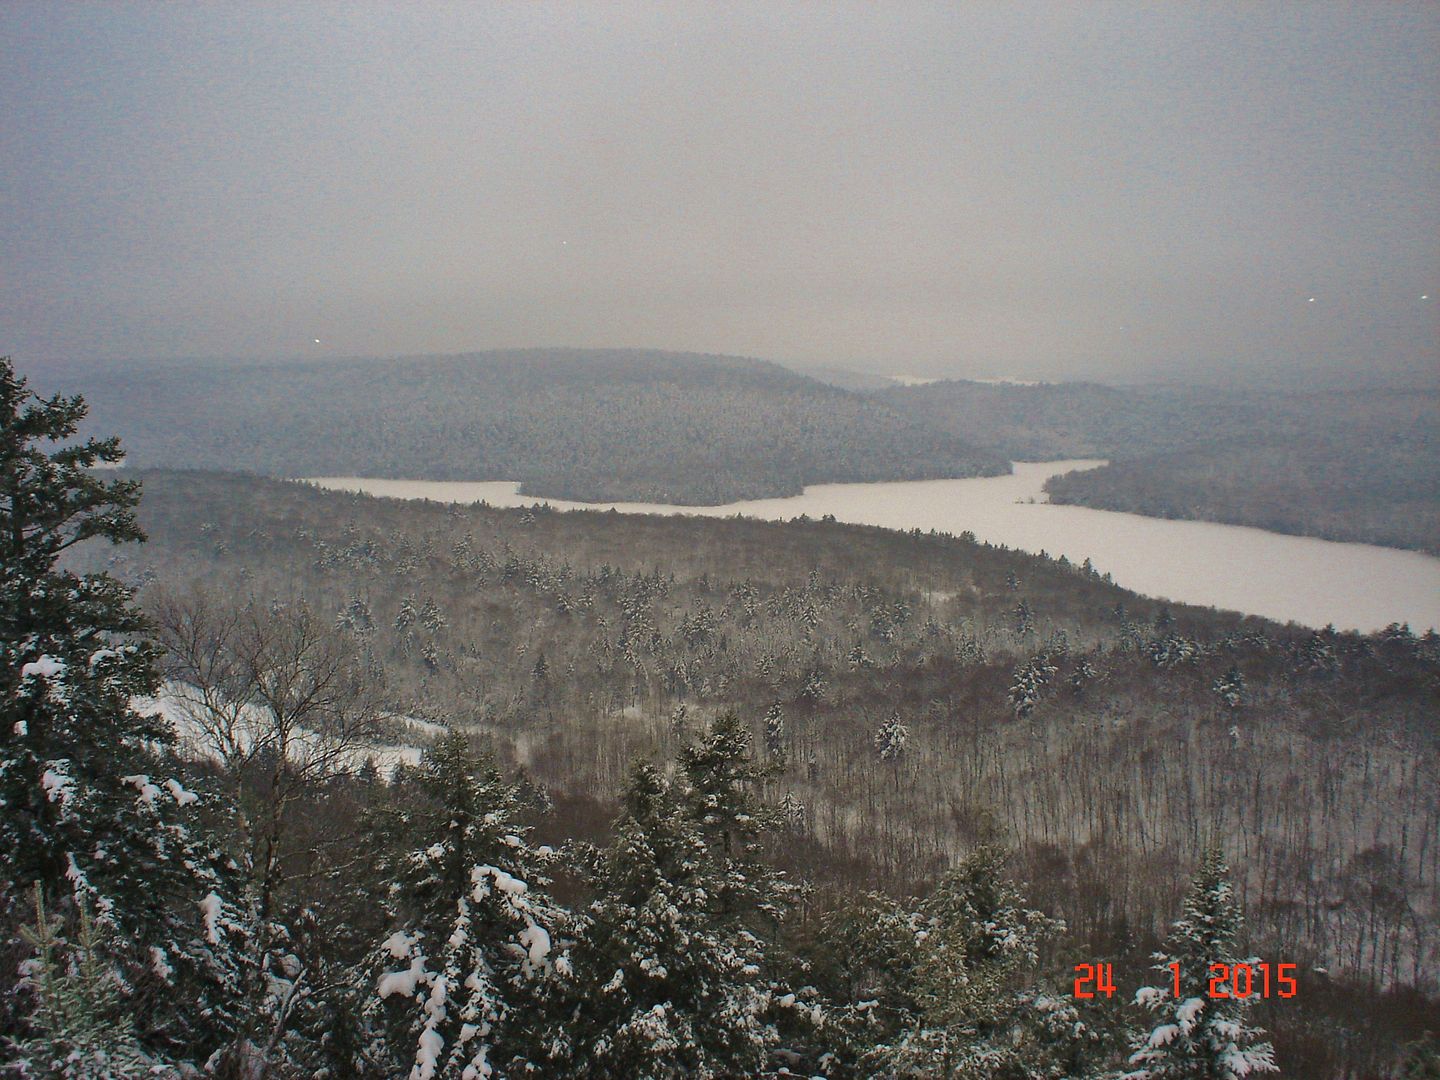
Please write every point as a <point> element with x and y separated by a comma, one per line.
<point>1286,578</point>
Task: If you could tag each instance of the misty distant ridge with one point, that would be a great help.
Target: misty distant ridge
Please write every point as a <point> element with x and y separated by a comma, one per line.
<point>634,425</point>
<point>626,425</point>
<point>1349,464</point>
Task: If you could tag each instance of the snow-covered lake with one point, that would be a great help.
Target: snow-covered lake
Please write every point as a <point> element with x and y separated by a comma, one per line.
<point>1313,582</point>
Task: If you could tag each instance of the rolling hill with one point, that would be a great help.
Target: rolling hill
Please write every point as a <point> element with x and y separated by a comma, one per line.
<point>589,425</point>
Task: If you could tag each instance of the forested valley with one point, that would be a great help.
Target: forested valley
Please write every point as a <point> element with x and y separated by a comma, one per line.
<point>354,787</point>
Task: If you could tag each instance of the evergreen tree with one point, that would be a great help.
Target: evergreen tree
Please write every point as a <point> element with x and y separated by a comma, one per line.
<point>890,739</point>
<point>674,978</point>
<point>1024,620</point>
<point>431,616</point>
<point>1081,678</point>
<point>1230,688</point>
<point>459,984</point>
<point>792,813</point>
<point>678,718</point>
<point>721,777</point>
<point>84,1029</point>
<point>356,617</point>
<point>775,736</point>
<point>80,815</point>
<point>1195,1036</point>
<point>1027,685</point>
<point>862,953</point>
<point>979,941</point>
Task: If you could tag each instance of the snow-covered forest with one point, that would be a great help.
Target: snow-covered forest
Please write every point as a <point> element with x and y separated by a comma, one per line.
<point>314,785</point>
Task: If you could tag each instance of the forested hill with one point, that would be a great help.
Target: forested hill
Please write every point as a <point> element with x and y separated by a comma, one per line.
<point>579,424</point>
<point>912,695</point>
<point>1354,465</point>
<point>1046,421</point>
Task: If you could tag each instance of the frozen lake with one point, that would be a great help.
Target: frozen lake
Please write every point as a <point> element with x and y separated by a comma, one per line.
<point>1289,578</point>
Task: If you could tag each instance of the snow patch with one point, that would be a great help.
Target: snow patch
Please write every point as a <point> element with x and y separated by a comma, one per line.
<point>402,982</point>
<point>1186,1013</point>
<point>148,791</point>
<point>211,906</point>
<point>536,939</point>
<point>160,963</point>
<point>399,944</point>
<point>56,781</point>
<point>46,667</point>
<point>505,883</point>
<point>179,794</point>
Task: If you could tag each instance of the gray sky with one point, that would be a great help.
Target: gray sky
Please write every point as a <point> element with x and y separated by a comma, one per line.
<point>1116,191</point>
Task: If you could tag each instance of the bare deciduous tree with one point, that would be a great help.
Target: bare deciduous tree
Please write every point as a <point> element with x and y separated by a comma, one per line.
<point>281,699</point>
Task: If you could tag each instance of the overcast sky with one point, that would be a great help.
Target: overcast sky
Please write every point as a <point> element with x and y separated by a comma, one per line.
<point>1115,191</point>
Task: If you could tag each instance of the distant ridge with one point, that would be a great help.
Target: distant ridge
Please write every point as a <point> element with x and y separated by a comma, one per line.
<point>589,424</point>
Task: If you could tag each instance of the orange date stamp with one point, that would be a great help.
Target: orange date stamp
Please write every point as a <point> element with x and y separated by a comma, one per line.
<point>1241,981</point>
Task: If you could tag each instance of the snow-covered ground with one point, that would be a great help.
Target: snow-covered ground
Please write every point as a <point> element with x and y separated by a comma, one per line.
<point>183,707</point>
<point>1281,577</point>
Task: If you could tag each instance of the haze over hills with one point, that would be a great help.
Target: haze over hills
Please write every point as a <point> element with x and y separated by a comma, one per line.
<point>324,752</point>
<point>580,424</point>
<point>1358,464</point>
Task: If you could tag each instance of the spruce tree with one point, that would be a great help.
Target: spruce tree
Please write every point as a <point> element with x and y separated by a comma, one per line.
<point>92,810</point>
<point>83,1027</point>
<point>1194,1036</point>
<point>672,987</point>
<point>977,945</point>
<point>721,779</point>
<point>861,953</point>
<point>890,739</point>
<point>775,736</point>
<point>1230,688</point>
<point>458,987</point>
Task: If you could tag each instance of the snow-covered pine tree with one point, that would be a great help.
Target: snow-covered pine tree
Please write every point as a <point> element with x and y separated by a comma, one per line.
<point>1027,685</point>
<point>408,614</point>
<point>977,943</point>
<point>356,617</point>
<point>1195,1036</point>
<point>431,617</point>
<point>672,987</point>
<point>1082,676</point>
<point>1056,1037</point>
<point>91,809</point>
<point>83,1028</point>
<point>860,952</point>
<point>719,788</point>
<point>775,736</point>
<point>721,782</point>
<point>792,814</point>
<point>890,739</point>
<point>1230,688</point>
<point>458,988</point>
<point>1024,620</point>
